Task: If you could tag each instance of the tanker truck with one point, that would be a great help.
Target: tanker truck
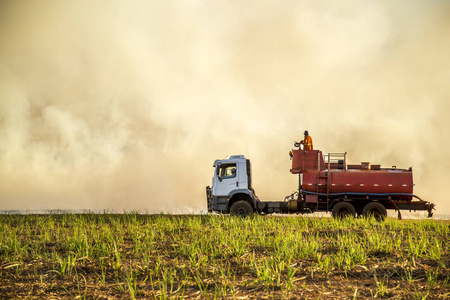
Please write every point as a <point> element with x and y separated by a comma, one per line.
<point>326,183</point>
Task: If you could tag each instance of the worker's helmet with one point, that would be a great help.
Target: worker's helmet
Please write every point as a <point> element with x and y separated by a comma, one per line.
<point>306,132</point>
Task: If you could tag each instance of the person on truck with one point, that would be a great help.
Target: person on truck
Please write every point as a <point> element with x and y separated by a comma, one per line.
<point>307,141</point>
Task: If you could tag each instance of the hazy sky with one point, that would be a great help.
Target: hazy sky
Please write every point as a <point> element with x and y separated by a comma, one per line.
<point>124,105</point>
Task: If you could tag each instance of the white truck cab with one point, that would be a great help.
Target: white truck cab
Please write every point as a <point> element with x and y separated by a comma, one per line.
<point>231,184</point>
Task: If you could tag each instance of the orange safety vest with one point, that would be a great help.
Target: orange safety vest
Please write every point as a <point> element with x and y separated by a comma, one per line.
<point>307,143</point>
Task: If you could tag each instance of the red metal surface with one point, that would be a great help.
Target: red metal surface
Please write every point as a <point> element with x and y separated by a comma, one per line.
<point>303,160</point>
<point>359,181</point>
<point>356,179</point>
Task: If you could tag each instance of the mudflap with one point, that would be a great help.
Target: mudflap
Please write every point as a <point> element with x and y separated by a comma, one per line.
<point>209,199</point>
<point>430,208</point>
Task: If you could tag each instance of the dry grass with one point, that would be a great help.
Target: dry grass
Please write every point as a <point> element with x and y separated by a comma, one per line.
<point>105,256</point>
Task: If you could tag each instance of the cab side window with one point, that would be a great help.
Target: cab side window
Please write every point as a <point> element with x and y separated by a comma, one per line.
<point>227,171</point>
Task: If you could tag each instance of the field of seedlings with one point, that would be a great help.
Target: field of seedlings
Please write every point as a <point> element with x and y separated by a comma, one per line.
<point>110,256</point>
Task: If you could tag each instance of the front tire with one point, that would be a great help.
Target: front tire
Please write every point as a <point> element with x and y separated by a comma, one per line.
<point>241,208</point>
<point>342,210</point>
<point>375,209</point>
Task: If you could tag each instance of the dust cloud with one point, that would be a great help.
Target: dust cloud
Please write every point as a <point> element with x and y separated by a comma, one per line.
<point>124,105</point>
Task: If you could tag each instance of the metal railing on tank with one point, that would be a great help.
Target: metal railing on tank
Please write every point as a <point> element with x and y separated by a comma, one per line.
<point>336,160</point>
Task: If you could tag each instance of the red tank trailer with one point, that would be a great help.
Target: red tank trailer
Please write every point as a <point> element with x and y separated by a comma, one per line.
<point>323,183</point>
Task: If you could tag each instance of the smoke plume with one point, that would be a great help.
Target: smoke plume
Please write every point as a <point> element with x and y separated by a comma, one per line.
<point>124,105</point>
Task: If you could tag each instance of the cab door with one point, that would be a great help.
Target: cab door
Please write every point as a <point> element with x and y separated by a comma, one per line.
<point>227,178</point>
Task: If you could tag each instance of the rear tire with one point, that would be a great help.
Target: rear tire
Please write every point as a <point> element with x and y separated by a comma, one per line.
<point>375,209</point>
<point>343,209</point>
<point>241,208</point>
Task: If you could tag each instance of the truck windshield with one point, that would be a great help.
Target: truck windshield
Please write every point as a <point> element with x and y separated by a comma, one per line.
<point>227,171</point>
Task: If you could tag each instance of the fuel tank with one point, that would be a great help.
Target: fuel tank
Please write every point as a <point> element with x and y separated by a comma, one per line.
<point>337,177</point>
<point>359,181</point>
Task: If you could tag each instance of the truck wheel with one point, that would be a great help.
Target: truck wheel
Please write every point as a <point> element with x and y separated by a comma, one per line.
<point>375,209</point>
<point>241,208</point>
<point>343,209</point>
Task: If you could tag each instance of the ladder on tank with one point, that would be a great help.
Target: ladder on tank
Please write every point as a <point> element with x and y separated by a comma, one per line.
<point>333,161</point>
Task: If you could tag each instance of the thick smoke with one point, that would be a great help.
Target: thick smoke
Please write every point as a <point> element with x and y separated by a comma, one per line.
<point>124,105</point>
